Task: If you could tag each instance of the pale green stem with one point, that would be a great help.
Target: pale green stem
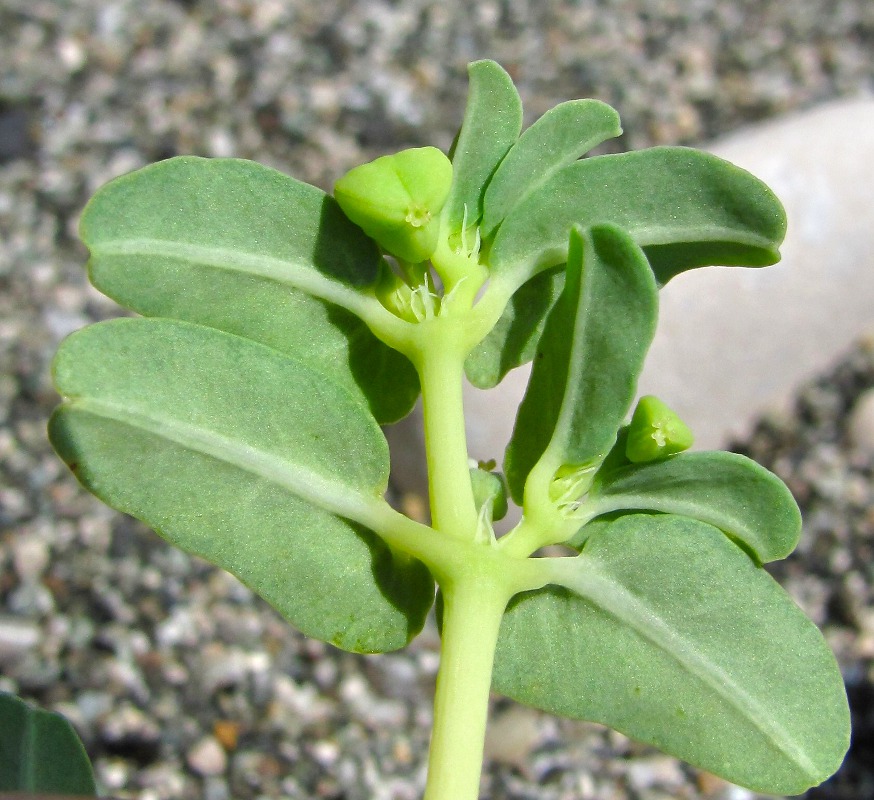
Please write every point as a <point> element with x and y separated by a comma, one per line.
<point>441,370</point>
<point>472,611</point>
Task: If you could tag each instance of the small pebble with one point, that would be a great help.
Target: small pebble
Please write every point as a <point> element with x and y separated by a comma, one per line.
<point>512,735</point>
<point>17,638</point>
<point>30,554</point>
<point>207,757</point>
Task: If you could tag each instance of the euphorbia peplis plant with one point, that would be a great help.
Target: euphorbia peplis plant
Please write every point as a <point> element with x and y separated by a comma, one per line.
<point>240,419</point>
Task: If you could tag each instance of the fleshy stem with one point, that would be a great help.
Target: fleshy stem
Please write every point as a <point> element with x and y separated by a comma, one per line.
<point>440,363</point>
<point>472,611</point>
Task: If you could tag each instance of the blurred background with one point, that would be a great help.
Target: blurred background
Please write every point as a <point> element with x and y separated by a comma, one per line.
<point>181,683</point>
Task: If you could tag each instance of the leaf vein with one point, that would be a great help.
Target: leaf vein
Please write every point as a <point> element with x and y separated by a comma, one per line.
<point>616,600</point>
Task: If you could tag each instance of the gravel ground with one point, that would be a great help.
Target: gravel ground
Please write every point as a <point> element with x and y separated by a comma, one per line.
<point>181,683</point>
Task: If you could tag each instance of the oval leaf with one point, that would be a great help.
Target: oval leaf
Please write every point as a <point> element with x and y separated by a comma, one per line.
<point>239,454</point>
<point>558,138</point>
<point>491,125</point>
<point>684,207</point>
<point>665,630</point>
<point>243,248</point>
<point>589,358</point>
<point>726,490</point>
<point>40,752</point>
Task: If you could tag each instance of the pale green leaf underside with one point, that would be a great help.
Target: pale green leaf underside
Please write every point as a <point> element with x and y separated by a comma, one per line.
<point>243,248</point>
<point>589,357</point>
<point>40,752</point>
<point>726,490</point>
<point>558,138</point>
<point>666,631</point>
<point>236,453</point>
<point>491,125</point>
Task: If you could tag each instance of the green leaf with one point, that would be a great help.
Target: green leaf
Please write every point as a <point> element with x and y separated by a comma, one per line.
<point>513,341</point>
<point>665,631</point>
<point>243,248</point>
<point>685,208</point>
<point>396,199</point>
<point>40,752</point>
<point>590,355</point>
<point>558,138</point>
<point>726,490</point>
<point>491,125</point>
<point>241,455</point>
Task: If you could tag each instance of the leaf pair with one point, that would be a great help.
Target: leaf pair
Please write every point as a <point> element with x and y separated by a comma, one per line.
<point>496,170</point>
<point>683,207</point>
<point>241,426</point>
<point>569,448</point>
<point>243,248</point>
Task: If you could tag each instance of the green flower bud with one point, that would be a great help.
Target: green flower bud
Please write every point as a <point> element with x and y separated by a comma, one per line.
<point>489,487</point>
<point>393,293</point>
<point>655,432</point>
<point>397,200</point>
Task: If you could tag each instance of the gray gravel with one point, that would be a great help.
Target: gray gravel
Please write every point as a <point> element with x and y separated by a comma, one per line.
<point>181,683</point>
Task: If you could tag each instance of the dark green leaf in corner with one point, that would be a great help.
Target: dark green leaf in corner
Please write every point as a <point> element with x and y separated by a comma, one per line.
<point>726,490</point>
<point>491,125</point>
<point>239,454</point>
<point>666,631</point>
<point>245,249</point>
<point>40,752</point>
<point>589,358</point>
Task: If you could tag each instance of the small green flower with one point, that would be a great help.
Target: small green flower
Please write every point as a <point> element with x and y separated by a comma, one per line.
<point>397,200</point>
<point>489,487</point>
<point>655,432</point>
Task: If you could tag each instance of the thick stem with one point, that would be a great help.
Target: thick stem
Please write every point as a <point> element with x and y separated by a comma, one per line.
<point>472,611</point>
<point>441,370</point>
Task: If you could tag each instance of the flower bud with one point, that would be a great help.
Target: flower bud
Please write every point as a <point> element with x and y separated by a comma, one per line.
<point>655,432</point>
<point>397,200</point>
<point>489,487</point>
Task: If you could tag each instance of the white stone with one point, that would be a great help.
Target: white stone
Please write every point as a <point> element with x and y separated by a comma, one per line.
<point>31,557</point>
<point>734,342</point>
<point>512,735</point>
<point>208,757</point>
<point>861,423</point>
<point>17,638</point>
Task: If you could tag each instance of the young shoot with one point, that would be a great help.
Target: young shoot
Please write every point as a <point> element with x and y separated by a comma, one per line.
<point>239,416</point>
